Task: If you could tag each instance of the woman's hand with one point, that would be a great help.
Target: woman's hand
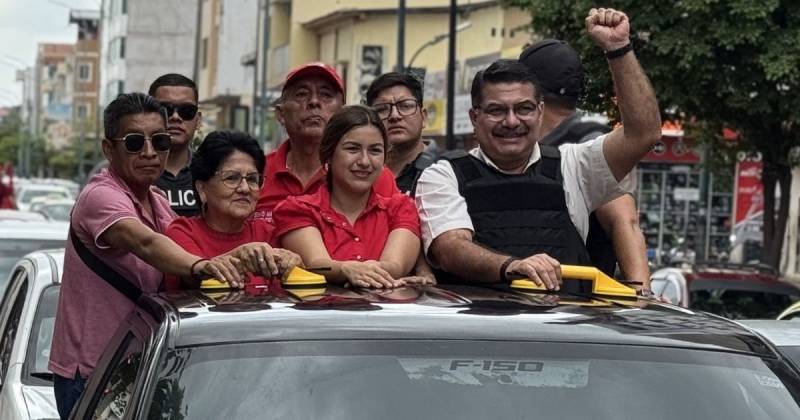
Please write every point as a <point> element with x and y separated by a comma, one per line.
<point>421,280</point>
<point>286,260</point>
<point>368,274</point>
<point>257,258</point>
<point>222,267</point>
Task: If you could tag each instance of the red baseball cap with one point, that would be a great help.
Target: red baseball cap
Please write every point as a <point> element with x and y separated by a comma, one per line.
<point>315,69</point>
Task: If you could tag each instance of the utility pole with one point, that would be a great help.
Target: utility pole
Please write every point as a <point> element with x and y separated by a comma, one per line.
<point>451,76</point>
<point>254,108</point>
<point>401,37</point>
<point>262,133</point>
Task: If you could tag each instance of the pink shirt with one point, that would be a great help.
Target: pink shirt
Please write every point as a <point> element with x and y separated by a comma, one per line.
<point>89,309</point>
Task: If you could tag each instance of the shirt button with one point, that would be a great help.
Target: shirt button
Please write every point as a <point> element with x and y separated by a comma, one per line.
<point>358,257</point>
<point>357,239</point>
<point>344,223</point>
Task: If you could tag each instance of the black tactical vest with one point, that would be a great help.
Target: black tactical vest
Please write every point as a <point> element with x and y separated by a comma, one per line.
<point>521,215</point>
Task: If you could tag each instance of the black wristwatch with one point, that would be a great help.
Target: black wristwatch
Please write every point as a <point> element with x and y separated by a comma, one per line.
<point>619,52</point>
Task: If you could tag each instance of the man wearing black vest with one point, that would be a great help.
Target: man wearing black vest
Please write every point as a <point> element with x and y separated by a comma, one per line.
<point>614,233</point>
<point>512,207</point>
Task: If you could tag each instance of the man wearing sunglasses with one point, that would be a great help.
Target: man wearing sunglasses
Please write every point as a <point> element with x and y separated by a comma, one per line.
<point>311,94</point>
<point>397,98</point>
<point>178,95</point>
<point>118,218</point>
<point>514,208</point>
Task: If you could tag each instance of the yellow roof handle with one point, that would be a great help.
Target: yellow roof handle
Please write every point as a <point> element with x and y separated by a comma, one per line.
<point>601,284</point>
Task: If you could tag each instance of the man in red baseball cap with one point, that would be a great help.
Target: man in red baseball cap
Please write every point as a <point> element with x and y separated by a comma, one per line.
<point>311,94</point>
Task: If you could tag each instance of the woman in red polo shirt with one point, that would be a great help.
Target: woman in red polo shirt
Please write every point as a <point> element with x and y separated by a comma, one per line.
<point>366,239</point>
<point>226,170</point>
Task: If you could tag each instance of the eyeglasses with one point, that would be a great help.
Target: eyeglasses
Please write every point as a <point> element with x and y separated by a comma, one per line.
<point>134,142</point>
<point>523,110</point>
<point>405,108</point>
<point>232,179</point>
<point>185,111</point>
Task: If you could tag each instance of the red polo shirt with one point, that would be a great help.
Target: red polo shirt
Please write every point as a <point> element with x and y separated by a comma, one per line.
<point>195,236</point>
<point>345,242</point>
<point>280,183</point>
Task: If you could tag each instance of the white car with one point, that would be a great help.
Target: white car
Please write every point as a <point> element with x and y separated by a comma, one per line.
<point>58,209</point>
<point>27,318</point>
<point>22,233</point>
<point>28,192</point>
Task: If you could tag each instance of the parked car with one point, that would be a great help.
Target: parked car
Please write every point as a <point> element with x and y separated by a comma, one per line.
<point>791,312</point>
<point>53,208</point>
<point>729,290</point>
<point>465,352</point>
<point>783,334</point>
<point>27,317</point>
<point>30,191</point>
<point>22,233</point>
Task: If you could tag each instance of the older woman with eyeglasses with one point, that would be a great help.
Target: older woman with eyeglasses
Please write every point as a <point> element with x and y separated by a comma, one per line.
<point>226,170</point>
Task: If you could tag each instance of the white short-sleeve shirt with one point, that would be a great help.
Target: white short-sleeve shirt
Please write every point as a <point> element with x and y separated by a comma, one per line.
<point>588,184</point>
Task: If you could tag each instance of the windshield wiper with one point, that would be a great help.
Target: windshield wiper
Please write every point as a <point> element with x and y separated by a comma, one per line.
<point>47,376</point>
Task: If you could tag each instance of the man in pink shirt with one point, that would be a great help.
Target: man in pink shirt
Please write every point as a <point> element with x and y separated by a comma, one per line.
<point>119,217</point>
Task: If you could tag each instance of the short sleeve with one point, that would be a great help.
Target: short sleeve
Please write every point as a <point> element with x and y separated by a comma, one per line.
<point>292,214</point>
<point>385,185</point>
<point>585,165</point>
<point>99,208</point>
<point>403,214</point>
<point>263,231</point>
<point>184,233</point>
<point>440,206</point>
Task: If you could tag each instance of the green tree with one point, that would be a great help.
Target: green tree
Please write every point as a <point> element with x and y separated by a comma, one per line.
<point>714,64</point>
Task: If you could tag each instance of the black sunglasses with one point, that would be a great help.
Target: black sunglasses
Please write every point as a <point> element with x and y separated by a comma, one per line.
<point>134,142</point>
<point>185,111</point>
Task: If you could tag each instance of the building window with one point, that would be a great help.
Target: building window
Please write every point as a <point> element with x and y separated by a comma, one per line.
<point>82,112</point>
<point>494,32</point>
<point>122,47</point>
<point>205,53</point>
<point>123,7</point>
<point>51,71</point>
<point>85,72</point>
<point>120,86</point>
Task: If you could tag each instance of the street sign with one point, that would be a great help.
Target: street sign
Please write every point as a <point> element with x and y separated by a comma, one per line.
<point>686,194</point>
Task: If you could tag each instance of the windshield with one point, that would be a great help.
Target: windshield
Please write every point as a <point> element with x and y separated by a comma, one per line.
<point>469,380</point>
<point>30,194</point>
<point>12,250</point>
<point>58,212</point>
<point>38,355</point>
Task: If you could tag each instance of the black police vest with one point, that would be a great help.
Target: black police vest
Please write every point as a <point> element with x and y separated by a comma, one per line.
<point>521,215</point>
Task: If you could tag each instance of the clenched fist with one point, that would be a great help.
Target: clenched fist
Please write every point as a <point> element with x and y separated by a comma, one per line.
<point>608,28</point>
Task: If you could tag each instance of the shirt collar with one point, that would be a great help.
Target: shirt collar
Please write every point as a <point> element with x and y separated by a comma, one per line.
<point>536,154</point>
<point>322,200</point>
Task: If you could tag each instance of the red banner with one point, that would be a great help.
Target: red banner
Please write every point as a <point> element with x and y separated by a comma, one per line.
<point>749,190</point>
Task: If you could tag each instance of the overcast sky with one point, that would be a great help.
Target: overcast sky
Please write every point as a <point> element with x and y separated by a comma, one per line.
<point>23,25</point>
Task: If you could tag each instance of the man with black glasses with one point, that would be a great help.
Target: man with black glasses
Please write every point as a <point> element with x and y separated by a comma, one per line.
<point>178,94</point>
<point>397,98</point>
<point>513,207</point>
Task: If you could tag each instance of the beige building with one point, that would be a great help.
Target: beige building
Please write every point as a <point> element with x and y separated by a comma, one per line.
<point>224,65</point>
<point>359,38</point>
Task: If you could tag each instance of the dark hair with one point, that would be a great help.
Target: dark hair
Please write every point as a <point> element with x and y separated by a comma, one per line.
<point>344,120</point>
<point>390,80</point>
<point>503,71</point>
<point>129,104</point>
<point>218,146</point>
<point>173,79</point>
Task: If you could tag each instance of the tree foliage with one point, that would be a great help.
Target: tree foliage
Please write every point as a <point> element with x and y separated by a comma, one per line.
<point>714,63</point>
